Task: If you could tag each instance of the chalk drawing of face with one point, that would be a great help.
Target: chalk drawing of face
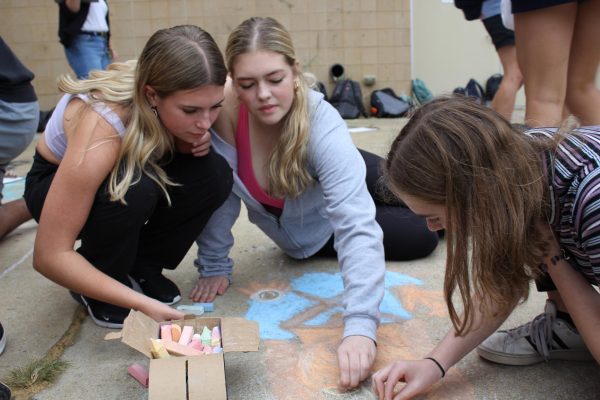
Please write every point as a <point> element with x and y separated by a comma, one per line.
<point>301,325</point>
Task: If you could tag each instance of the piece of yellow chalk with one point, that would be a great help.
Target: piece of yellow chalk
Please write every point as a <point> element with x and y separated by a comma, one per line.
<point>158,349</point>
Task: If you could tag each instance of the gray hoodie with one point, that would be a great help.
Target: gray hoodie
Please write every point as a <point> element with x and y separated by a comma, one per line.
<point>338,202</point>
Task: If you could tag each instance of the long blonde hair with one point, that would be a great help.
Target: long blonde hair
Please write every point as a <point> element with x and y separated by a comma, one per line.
<point>178,58</point>
<point>288,173</point>
<point>489,176</point>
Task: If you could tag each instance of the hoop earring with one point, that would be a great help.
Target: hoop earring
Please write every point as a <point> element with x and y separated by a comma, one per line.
<point>154,111</point>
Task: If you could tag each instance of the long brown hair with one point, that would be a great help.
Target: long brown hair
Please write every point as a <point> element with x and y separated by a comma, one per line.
<point>462,155</point>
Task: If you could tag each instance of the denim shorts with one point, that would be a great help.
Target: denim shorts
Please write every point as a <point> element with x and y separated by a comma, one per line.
<point>18,123</point>
<point>87,53</point>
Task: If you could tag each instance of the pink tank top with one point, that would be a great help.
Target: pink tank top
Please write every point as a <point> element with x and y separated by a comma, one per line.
<point>245,170</point>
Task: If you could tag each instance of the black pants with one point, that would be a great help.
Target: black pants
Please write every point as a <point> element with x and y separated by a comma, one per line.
<point>405,235</point>
<point>147,234</point>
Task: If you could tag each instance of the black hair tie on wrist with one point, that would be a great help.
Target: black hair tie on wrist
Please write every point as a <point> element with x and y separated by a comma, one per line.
<point>438,364</point>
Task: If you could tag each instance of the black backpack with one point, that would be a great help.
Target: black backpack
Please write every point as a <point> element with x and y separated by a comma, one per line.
<point>347,99</point>
<point>475,90</point>
<point>386,104</point>
<point>492,85</point>
<point>320,87</point>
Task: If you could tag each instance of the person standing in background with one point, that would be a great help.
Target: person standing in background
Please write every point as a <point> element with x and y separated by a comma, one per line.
<point>504,42</point>
<point>558,48</point>
<point>84,31</point>
<point>19,113</point>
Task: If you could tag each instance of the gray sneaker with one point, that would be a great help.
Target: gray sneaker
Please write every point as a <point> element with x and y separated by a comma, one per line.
<point>545,338</point>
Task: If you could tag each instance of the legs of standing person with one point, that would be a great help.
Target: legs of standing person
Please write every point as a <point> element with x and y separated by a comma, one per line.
<point>405,235</point>
<point>512,80</point>
<point>87,53</point>
<point>18,123</point>
<point>583,96</point>
<point>171,231</point>
<point>543,40</point>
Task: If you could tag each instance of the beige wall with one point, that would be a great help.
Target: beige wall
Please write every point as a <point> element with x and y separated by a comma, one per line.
<point>448,50</point>
<point>368,37</point>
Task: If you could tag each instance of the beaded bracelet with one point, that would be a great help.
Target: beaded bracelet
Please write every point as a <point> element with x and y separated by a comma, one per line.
<point>438,364</point>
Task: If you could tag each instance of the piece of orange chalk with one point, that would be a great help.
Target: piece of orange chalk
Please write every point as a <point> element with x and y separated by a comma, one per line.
<point>139,373</point>
<point>175,332</point>
<point>157,348</point>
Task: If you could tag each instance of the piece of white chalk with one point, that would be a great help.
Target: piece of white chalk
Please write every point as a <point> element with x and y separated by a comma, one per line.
<point>186,335</point>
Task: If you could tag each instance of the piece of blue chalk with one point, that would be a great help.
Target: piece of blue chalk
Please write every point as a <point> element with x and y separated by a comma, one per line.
<point>191,308</point>
<point>208,307</point>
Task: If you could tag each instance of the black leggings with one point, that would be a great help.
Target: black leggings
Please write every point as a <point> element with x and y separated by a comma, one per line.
<point>147,233</point>
<point>405,235</point>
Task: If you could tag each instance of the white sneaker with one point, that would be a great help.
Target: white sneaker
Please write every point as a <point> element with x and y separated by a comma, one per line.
<point>545,338</point>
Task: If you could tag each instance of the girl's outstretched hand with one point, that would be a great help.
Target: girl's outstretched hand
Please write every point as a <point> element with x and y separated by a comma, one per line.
<point>160,311</point>
<point>418,375</point>
<point>208,288</point>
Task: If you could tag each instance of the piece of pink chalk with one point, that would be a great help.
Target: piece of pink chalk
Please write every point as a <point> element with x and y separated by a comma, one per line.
<point>176,349</point>
<point>186,335</point>
<point>207,349</point>
<point>196,344</point>
<point>165,333</point>
<point>139,373</point>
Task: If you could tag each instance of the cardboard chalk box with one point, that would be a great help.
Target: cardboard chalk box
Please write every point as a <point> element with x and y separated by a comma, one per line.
<point>195,377</point>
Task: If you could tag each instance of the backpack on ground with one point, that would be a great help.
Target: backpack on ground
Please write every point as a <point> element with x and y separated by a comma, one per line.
<point>320,87</point>
<point>421,92</point>
<point>475,90</point>
<point>347,99</point>
<point>491,86</point>
<point>459,90</point>
<point>386,104</point>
